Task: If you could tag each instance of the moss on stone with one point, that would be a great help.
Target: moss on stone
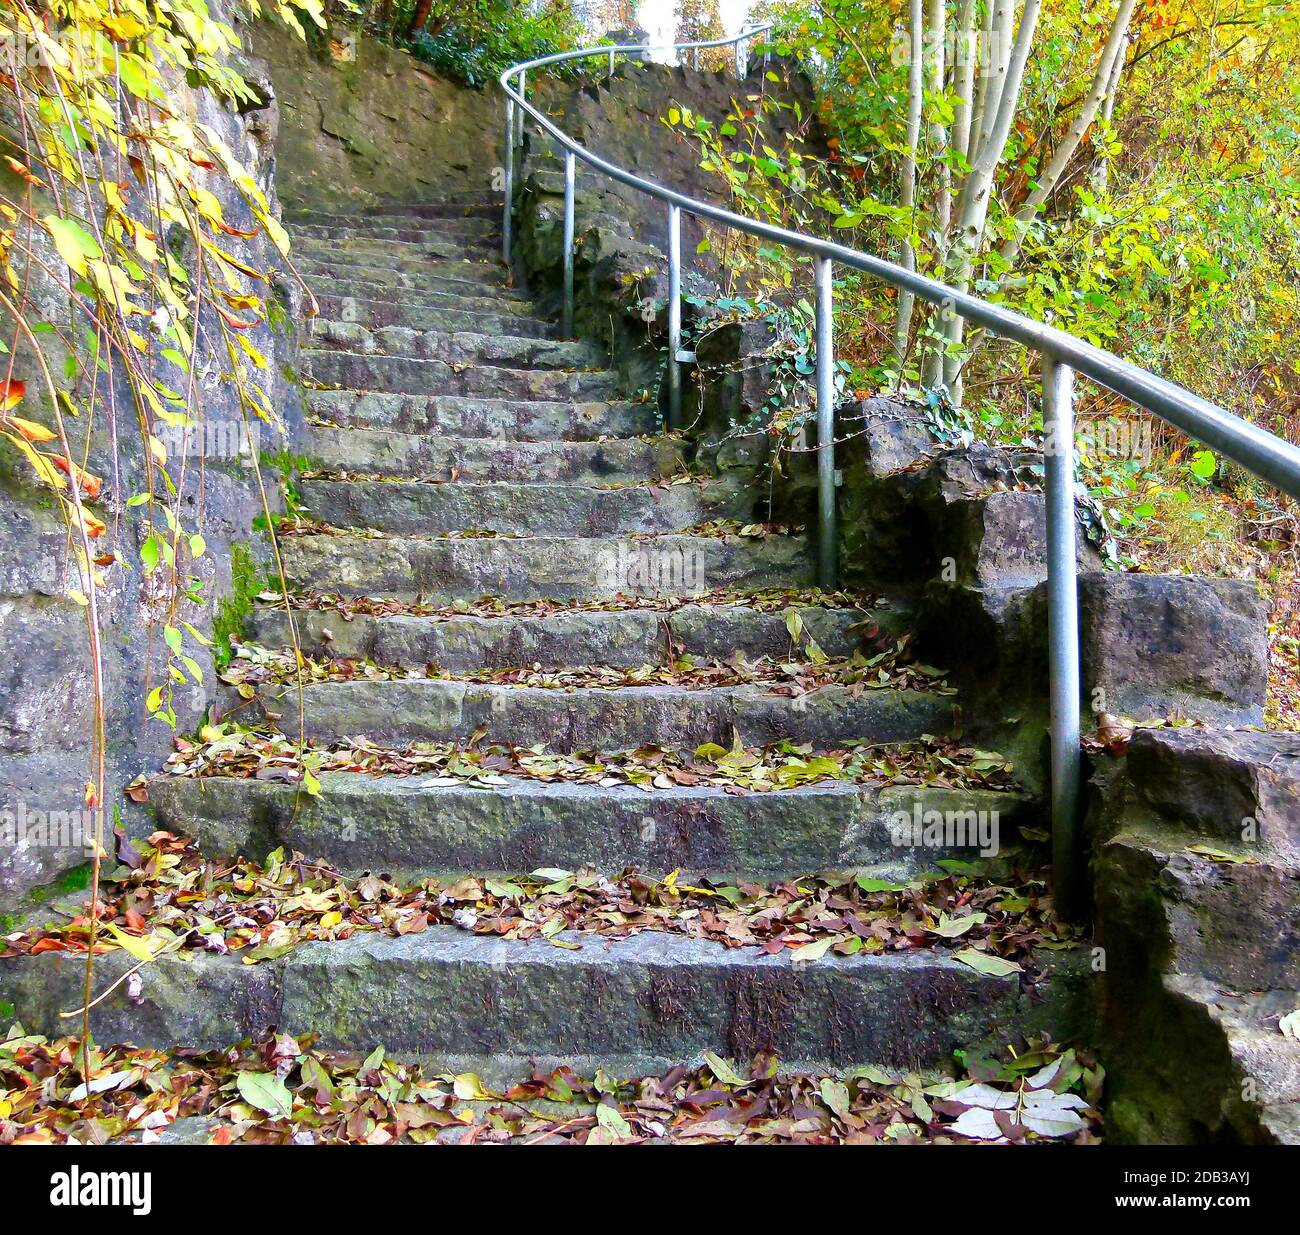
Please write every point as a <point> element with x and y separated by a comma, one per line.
<point>233,611</point>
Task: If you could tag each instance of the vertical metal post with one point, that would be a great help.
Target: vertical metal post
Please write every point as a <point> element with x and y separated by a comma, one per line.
<point>566,327</point>
<point>1062,630</point>
<point>674,315</point>
<point>507,215</point>
<point>523,94</point>
<point>695,58</point>
<point>826,548</point>
<point>611,64</point>
<point>742,58</point>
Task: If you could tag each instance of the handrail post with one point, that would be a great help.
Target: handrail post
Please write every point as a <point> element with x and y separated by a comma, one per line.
<point>523,94</point>
<point>509,185</point>
<point>1062,630</point>
<point>570,171</point>
<point>674,315</point>
<point>742,57</point>
<point>826,547</point>
<point>611,65</point>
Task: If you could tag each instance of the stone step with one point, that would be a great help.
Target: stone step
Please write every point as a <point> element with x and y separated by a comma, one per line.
<point>653,1000</point>
<point>446,206</point>
<point>376,314</point>
<point>464,298</point>
<point>389,251</point>
<point>538,420</point>
<point>387,453</point>
<point>434,291</point>
<point>403,374</point>
<point>623,637</point>
<point>394,259</point>
<point>408,826</point>
<point>476,278</point>
<point>455,347</point>
<point>503,418</point>
<point>443,570</point>
<point>400,228</point>
<point>413,507</point>
<point>594,718</point>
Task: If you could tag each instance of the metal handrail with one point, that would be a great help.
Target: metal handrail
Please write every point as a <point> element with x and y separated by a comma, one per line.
<point>1061,354</point>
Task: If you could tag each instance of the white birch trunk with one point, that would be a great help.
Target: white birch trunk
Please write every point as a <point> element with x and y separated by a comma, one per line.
<point>907,187</point>
<point>1051,175</point>
<point>936,30</point>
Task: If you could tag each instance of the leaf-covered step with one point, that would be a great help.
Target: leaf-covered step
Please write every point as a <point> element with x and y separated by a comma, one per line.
<point>407,825</point>
<point>450,569</point>
<point>590,718</point>
<point>513,509</point>
<point>402,374</point>
<point>445,993</point>
<point>384,452</point>
<point>509,419</point>
<point>376,314</point>
<point>454,347</point>
<point>568,637</point>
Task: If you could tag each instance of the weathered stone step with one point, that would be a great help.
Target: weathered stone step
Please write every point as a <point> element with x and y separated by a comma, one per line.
<point>454,347</point>
<point>434,291</point>
<point>443,570</point>
<point>410,827</point>
<point>655,998</point>
<point>622,637</point>
<point>398,227</point>
<point>501,302</point>
<point>622,718</point>
<point>388,250</point>
<point>475,277</point>
<point>376,314</point>
<point>404,374</point>
<point>405,261</point>
<point>445,206</point>
<point>387,453</point>
<point>513,509</point>
<point>504,418</point>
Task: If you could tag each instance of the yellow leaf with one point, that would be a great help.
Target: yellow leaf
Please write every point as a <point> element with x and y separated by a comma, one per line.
<point>139,948</point>
<point>31,430</point>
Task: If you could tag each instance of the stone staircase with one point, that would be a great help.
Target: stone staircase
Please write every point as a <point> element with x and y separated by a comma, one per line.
<point>458,450</point>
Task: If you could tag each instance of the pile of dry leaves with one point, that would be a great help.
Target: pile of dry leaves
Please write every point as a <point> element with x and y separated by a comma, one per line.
<point>283,1091</point>
<point>174,898</point>
<point>770,600</point>
<point>890,669</point>
<point>265,754</point>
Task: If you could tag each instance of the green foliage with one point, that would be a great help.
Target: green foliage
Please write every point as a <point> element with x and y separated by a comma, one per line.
<point>475,42</point>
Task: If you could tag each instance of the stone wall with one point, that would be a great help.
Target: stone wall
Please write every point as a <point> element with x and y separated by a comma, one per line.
<point>45,681</point>
<point>1195,839</point>
<point>361,122</point>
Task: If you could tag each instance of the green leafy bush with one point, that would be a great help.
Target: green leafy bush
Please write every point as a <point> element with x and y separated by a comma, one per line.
<point>476,42</point>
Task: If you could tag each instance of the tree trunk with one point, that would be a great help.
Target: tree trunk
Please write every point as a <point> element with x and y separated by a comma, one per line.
<point>936,30</point>
<point>1051,176</point>
<point>907,186</point>
<point>1101,169</point>
<point>419,18</point>
<point>964,60</point>
<point>977,189</point>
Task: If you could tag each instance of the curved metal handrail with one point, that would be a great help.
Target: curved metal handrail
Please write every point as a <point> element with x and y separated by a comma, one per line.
<point>1062,354</point>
